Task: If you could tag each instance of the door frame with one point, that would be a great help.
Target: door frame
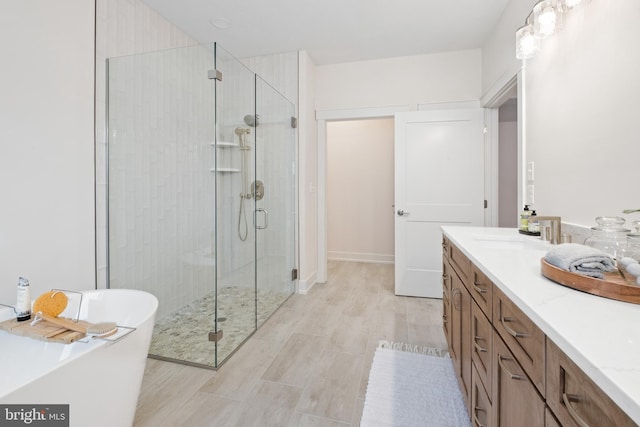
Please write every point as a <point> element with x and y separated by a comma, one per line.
<point>491,101</point>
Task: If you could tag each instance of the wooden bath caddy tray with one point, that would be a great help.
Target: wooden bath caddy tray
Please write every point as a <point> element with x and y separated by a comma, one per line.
<point>43,330</point>
<point>613,285</point>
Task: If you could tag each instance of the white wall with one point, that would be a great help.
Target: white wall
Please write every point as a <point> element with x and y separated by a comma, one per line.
<point>46,146</point>
<point>411,80</point>
<point>507,176</point>
<point>360,190</point>
<point>308,173</point>
<point>499,63</point>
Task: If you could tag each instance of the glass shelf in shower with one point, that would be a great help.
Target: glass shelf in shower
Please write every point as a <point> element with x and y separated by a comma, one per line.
<point>229,170</point>
<point>224,144</point>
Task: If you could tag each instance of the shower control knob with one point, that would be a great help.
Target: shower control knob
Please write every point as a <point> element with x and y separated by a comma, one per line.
<point>402,213</point>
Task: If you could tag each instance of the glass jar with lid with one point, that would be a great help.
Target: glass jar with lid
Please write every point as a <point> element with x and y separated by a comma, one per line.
<point>609,235</point>
<point>629,258</point>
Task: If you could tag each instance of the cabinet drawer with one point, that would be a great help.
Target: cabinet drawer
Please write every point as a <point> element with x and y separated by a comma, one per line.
<point>525,340</point>
<point>481,345</point>
<point>458,260</point>
<point>481,290</point>
<point>446,278</point>
<point>575,399</point>
<point>481,411</point>
<point>446,320</point>
<point>515,399</point>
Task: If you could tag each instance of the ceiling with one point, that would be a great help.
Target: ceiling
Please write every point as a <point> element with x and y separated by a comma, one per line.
<point>335,31</point>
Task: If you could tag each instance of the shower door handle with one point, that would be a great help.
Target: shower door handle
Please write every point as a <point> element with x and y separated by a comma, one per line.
<point>266,218</point>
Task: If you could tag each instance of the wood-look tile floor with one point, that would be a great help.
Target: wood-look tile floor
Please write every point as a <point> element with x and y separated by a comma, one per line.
<point>308,365</point>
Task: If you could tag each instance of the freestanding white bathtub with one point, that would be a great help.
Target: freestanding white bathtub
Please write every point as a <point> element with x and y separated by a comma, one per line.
<point>99,380</point>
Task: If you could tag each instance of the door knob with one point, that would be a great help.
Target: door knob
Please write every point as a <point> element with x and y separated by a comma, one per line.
<point>402,213</point>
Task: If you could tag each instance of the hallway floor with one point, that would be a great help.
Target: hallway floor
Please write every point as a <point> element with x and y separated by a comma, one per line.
<point>308,365</point>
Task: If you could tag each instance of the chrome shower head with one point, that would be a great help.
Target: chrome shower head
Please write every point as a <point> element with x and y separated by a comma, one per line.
<point>251,120</point>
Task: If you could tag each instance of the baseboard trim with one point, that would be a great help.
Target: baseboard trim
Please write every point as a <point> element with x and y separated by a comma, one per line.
<point>360,257</point>
<point>305,285</point>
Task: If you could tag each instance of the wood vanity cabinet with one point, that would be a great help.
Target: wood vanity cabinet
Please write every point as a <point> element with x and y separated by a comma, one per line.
<point>446,301</point>
<point>516,401</point>
<point>509,372</point>
<point>482,346</point>
<point>481,409</point>
<point>458,314</point>
<point>575,399</point>
<point>522,336</point>
<point>461,334</point>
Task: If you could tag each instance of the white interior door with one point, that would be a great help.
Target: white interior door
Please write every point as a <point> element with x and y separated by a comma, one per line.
<point>439,180</point>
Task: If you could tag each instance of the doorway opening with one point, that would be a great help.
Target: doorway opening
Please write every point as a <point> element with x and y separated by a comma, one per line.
<point>359,190</point>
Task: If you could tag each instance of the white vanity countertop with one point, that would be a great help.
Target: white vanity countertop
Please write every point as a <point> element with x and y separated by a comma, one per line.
<point>600,335</point>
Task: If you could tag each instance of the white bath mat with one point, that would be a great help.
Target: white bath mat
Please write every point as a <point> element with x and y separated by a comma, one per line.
<point>413,389</point>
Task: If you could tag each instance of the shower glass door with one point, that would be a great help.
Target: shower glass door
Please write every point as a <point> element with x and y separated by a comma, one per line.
<point>275,214</point>
<point>235,314</point>
<point>161,193</point>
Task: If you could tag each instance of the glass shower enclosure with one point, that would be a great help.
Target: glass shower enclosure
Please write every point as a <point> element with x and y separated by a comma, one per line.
<point>201,197</point>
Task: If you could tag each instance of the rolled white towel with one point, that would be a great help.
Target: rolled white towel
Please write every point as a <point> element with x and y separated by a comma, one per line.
<point>580,259</point>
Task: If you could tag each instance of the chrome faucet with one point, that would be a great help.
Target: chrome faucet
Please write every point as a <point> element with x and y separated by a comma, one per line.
<point>556,231</point>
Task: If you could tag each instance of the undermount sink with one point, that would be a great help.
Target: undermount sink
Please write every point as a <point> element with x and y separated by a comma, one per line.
<point>491,241</point>
<point>508,242</point>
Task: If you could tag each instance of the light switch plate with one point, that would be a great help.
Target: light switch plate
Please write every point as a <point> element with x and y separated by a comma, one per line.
<point>530,194</point>
<point>530,169</point>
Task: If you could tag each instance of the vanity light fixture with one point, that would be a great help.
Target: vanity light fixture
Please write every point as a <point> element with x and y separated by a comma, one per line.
<point>527,44</point>
<point>567,5</point>
<point>544,20</point>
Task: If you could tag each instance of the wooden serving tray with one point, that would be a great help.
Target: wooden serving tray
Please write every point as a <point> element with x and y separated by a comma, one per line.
<point>613,285</point>
<point>42,330</point>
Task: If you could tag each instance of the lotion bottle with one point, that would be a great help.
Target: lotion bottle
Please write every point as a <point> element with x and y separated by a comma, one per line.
<point>23,307</point>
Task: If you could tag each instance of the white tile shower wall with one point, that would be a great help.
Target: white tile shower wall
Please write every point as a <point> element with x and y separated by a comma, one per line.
<point>125,27</point>
<point>280,70</point>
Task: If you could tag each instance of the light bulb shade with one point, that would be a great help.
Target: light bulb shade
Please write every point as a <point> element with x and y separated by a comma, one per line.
<point>546,19</point>
<point>567,5</point>
<point>526,43</point>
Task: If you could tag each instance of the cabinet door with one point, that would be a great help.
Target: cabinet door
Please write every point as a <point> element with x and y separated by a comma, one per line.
<point>461,335</point>
<point>515,399</point>
<point>550,420</point>
<point>481,411</point>
<point>481,345</point>
<point>446,300</point>
<point>575,399</point>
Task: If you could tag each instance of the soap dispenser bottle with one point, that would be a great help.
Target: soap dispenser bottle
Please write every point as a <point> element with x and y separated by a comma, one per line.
<point>524,218</point>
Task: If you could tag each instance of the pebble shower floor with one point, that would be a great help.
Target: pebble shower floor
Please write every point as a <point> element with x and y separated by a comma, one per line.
<point>183,335</point>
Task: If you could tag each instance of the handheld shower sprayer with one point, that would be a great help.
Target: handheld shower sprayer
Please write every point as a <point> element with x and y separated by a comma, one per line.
<point>241,133</point>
